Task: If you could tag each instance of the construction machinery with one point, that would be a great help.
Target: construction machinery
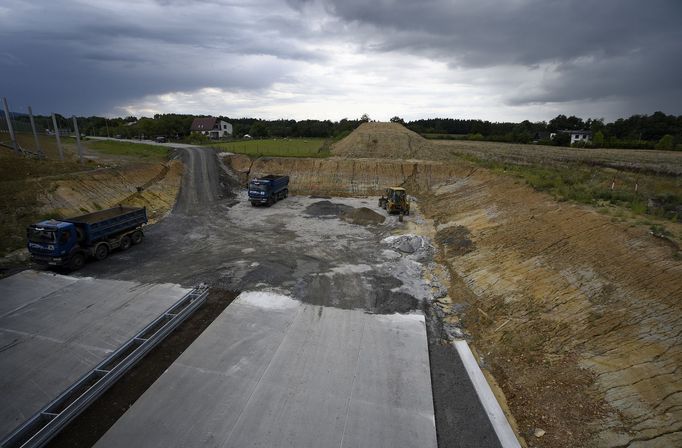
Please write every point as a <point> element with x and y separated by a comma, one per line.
<point>395,201</point>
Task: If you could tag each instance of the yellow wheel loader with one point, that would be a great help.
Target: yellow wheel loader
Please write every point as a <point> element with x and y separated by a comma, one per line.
<point>395,201</point>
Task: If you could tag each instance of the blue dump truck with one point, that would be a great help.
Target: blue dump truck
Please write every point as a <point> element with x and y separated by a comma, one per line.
<point>268,189</point>
<point>67,243</point>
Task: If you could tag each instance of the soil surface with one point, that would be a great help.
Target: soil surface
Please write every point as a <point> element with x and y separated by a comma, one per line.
<point>339,252</point>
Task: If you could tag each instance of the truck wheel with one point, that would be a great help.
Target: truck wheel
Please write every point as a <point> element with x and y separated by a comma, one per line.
<point>76,261</point>
<point>253,204</point>
<point>286,193</point>
<point>101,251</point>
<point>136,237</point>
<point>125,243</point>
<point>400,218</point>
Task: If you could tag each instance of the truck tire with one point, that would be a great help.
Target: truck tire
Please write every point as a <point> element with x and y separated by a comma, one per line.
<point>286,193</point>
<point>126,242</point>
<point>253,203</point>
<point>76,261</point>
<point>136,237</point>
<point>101,251</point>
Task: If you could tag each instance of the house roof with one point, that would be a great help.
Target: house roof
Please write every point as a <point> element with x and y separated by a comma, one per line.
<point>203,124</point>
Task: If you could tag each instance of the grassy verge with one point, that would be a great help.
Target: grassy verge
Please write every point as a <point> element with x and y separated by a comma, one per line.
<point>127,149</point>
<point>309,147</point>
<point>644,199</point>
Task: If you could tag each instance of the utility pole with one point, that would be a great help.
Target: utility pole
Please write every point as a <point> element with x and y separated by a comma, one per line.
<point>56,133</point>
<point>106,121</point>
<point>41,154</point>
<point>78,139</point>
<point>10,128</point>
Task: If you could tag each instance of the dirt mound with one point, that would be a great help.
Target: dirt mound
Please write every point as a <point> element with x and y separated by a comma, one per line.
<point>327,209</point>
<point>387,140</point>
<point>363,216</point>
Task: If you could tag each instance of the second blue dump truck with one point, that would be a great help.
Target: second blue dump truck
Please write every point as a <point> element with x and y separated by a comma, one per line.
<point>69,242</point>
<point>268,189</point>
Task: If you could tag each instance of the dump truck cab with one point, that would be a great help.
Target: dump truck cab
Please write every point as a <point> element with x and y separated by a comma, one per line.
<point>395,201</point>
<point>50,242</point>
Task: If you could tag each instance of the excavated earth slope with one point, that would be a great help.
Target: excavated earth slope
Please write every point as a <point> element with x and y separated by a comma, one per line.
<point>577,317</point>
<point>154,186</point>
<point>345,177</point>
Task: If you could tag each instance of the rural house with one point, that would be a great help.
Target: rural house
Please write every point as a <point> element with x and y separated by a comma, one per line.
<point>211,127</point>
<point>579,136</point>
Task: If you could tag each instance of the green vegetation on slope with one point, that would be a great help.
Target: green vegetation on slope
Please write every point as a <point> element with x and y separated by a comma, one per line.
<point>647,195</point>
<point>128,149</point>
<point>294,147</point>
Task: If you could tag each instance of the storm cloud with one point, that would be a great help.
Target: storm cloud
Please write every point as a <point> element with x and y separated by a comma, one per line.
<point>500,60</point>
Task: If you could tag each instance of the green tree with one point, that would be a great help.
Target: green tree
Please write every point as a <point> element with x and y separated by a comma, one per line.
<point>258,129</point>
<point>666,142</point>
<point>397,119</point>
<point>598,139</point>
<point>561,139</point>
<point>365,118</point>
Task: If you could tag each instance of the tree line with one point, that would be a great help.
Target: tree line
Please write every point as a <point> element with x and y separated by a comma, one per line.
<point>657,130</point>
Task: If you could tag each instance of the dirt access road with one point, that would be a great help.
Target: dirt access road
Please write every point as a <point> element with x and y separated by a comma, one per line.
<point>321,251</point>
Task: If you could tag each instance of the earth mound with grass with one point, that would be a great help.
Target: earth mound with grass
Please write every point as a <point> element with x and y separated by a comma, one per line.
<point>387,140</point>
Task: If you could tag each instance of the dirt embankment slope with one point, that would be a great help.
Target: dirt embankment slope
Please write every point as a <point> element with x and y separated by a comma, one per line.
<point>345,177</point>
<point>577,317</point>
<point>154,186</point>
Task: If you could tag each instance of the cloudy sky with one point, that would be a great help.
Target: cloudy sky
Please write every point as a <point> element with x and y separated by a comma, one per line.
<point>489,59</point>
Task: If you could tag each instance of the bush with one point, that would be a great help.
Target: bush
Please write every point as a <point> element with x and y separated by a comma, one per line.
<point>666,142</point>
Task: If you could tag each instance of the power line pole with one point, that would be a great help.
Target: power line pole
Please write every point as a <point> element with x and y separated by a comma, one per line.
<point>56,133</point>
<point>41,154</point>
<point>10,128</point>
<point>78,139</point>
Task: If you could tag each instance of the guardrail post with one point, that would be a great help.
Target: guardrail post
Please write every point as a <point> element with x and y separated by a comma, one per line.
<point>9,127</point>
<point>78,139</point>
<point>59,141</point>
<point>41,154</point>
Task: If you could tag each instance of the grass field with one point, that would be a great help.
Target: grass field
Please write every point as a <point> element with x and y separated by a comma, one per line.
<point>145,152</point>
<point>309,147</point>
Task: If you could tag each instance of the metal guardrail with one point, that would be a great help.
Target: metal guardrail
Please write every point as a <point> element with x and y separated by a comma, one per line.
<point>51,419</point>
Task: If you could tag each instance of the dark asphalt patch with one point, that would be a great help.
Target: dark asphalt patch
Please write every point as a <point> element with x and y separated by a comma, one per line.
<point>326,209</point>
<point>456,240</point>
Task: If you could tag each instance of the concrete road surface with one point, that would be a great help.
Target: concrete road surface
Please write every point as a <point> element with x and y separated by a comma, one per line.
<point>274,372</point>
<point>55,328</point>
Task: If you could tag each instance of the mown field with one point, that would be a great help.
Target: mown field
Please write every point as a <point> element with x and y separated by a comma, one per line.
<point>293,147</point>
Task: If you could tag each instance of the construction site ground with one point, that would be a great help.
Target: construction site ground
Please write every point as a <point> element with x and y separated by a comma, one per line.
<point>573,313</point>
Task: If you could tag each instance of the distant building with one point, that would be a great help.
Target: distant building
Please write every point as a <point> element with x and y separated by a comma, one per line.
<point>211,127</point>
<point>579,136</point>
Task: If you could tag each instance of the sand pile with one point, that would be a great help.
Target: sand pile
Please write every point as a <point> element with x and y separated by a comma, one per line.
<point>387,140</point>
<point>363,216</point>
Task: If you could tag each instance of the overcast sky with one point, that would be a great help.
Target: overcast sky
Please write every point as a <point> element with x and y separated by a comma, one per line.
<point>329,59</point>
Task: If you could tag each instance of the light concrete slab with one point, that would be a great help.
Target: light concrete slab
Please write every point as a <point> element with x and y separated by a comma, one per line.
<point>55,328</point>
<point>274,372</point>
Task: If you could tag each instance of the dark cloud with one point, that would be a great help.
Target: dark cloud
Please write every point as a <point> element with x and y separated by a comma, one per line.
<point>78,57</point>
<point>623,49</point>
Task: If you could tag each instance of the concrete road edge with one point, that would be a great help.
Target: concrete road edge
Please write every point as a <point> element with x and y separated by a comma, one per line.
<point>497,418</point>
